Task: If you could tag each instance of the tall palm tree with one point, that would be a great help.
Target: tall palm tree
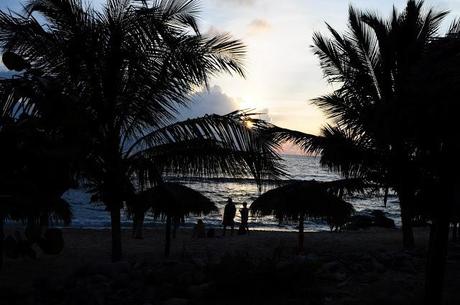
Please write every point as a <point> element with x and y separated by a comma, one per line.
<point>436,89</point>
<point>131,64</point>
<point>372,64</point>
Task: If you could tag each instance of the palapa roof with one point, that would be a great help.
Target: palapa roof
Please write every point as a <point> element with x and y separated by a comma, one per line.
<point>312,199</point>
<point>21,201</point>
<point>22,209</point>
<point>174,199</point>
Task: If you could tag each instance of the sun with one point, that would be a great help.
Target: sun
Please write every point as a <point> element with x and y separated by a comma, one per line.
<point>248,102</point>
<point>248,123</point>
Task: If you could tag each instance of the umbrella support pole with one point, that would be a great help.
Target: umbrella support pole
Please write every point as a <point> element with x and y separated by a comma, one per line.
<point>436,262</point>
<point>454,231</point>
<point>115,219</point>
<point>138,225</point>
<point>301,233</point>
<point>168,236</point>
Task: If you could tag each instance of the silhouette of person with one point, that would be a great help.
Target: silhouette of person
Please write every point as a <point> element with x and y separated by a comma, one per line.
<point>244,212</point>
<point>229,215</point>
<point>199,231</point>
<point>177,221</point>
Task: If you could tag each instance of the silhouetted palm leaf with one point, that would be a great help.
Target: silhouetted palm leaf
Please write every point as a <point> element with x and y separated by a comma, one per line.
<point>212,145</point>
<point>128,66</point>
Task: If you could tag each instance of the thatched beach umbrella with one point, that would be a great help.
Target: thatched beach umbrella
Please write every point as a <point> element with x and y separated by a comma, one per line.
<point>22,201</point>
<point>301,200</point>
<point>169,200</point>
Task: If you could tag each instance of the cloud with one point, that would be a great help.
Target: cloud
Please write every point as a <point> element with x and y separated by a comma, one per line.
<point>238,2</point>
<point>214,101</point>
<point>214,31</point>
<point>259,26</point>
<point>263,114</point>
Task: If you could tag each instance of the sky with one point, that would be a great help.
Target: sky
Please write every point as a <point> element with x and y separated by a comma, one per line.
<point>283,75</point>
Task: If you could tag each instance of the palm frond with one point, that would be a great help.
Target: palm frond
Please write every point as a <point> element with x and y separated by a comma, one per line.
<point>303,140</point>
<point>454,27</point>
<point>189,159</point>
<point>226,54</point>
<point>330,57</point>
<point>233,147</point>
<point>344,151</point>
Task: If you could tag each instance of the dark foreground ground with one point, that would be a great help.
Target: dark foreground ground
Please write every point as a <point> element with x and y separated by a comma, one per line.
<point>365,267</point>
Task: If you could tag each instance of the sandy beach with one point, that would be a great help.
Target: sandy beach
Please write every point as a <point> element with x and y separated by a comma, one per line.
<point>362,267</point>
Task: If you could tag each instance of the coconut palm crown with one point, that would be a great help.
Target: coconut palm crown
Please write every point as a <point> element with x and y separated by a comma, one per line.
<point>132,64</point>
<point>372,110</point>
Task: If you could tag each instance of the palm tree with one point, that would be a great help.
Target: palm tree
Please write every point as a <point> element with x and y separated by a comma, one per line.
<point>372,65</point>
<point>436,94</point>
<point>131,64</point>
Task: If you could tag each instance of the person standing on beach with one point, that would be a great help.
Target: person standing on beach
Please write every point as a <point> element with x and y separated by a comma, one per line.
<point>244,212</point>
<point>199,231</point>
<point>229,215</point>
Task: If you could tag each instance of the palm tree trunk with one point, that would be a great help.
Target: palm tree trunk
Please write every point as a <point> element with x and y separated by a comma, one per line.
<point>115,219</point>
<point>408,233</point>
<point>458,229</point>
<point>138,225</point>
<point>301,234</point>
<point>44,223</point>
<point>133,234</point>
<point>406,219</point>
<point>437,253</point>
<point>175,226</point>
<point>168,236</point>
<point>385,197</point>
<point>2,238</point>
<point>454,231</point>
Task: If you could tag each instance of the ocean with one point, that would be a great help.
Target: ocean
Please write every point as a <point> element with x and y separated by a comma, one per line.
<point>93,215</point>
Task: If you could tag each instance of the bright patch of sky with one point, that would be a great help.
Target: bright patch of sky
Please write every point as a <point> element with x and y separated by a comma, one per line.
<point>283,75</point>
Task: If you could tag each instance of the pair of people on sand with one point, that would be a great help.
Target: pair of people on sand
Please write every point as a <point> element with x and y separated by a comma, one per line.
<point>229,216</point>
<point>199,230</point>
